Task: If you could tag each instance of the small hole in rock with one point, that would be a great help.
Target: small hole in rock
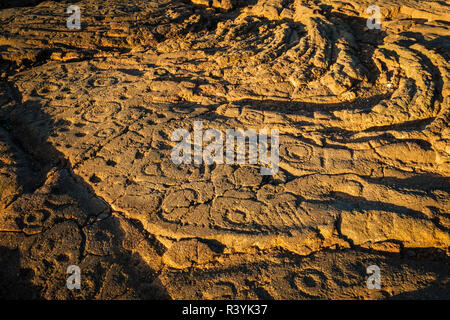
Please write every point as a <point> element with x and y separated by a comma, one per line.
<point>94,179</point>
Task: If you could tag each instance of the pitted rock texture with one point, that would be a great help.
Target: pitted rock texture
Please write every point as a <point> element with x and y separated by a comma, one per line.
<point>363,116</point>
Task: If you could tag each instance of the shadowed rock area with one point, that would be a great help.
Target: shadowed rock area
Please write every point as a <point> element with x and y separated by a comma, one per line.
<point>87,178</point>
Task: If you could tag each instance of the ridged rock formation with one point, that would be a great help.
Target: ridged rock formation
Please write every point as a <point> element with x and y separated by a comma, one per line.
<point>363,116</point>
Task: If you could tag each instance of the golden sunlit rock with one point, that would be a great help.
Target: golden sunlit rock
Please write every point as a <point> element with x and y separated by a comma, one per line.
<point>87,176</point>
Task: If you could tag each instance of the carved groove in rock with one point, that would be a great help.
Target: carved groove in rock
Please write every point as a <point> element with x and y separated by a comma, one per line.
<point>363,118</point>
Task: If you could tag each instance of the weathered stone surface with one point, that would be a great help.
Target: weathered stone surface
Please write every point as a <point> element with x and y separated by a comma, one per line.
<point>86,175</point>
<point>324,275</point>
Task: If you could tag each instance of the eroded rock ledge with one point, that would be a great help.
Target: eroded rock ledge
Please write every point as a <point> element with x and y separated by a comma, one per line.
<point>363,117</point>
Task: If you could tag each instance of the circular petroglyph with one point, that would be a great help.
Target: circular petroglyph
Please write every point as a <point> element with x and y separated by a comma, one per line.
<point>251,117</point>
<point>105,132</point>
<point>296,152</point>
<point>310,281</point>
<point>101,112</point>
<point>236,216</point>
<point>151,169</point>
<point>103,81</point>
<point>48,88</point>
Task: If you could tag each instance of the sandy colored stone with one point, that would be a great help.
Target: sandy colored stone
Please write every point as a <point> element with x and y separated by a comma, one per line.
<point>86,175</point>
